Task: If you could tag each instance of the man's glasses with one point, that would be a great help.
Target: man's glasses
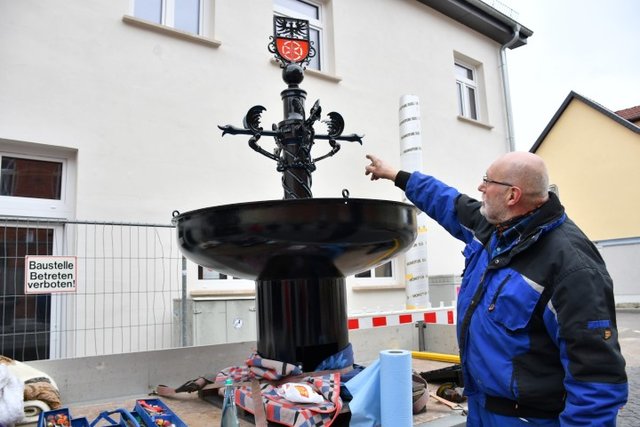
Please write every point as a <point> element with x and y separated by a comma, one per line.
<point>490,181</point>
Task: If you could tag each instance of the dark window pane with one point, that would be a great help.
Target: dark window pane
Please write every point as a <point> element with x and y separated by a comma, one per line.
<point>460,71</point>
<point>209,274</point>
<point>384,270</point>
<point>472,103</point>
<point>24,332</point>
<point>464,72</point>
<point>30,178</point>
<point>364,274</point>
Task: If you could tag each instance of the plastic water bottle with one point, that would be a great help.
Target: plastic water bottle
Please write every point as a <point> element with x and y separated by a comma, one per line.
<point>229,409</point>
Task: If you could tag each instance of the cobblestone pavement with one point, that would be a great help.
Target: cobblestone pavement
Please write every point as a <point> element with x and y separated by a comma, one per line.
<point>629,335</point>
<point>630,415</point>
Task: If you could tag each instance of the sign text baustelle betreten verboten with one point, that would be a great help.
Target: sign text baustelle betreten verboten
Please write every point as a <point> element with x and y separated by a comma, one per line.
<point>49,274</point>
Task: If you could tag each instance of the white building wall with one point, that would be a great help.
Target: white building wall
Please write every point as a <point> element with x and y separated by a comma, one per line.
<point>621,257</point>
<point>139,109</point>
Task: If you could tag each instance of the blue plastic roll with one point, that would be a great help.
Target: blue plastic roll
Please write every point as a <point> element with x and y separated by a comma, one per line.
<point>396,405</point>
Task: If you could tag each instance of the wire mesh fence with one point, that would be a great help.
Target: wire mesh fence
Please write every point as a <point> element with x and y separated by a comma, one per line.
<point>127,277</point>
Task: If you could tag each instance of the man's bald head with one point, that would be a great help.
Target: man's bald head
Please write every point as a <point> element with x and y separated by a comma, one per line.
<point>528,172</point>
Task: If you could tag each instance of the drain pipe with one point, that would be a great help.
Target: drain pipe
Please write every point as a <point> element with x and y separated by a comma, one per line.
<point>511,144</point>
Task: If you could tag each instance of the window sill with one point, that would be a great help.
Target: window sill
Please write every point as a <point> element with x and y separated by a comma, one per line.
<point>222,294</point>
<point>311,72</point>
<point>380,287</point>
<point>163,29</point>
<point>475,122</point>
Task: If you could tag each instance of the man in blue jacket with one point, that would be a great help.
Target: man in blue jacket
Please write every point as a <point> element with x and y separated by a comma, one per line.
<point>536,315</point>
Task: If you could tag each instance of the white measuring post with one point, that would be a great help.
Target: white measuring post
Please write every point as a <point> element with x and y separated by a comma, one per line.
<point>416,271</point>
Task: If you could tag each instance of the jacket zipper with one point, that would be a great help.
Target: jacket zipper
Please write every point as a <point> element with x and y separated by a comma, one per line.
<point>492,305</point>
<point>475,300</point>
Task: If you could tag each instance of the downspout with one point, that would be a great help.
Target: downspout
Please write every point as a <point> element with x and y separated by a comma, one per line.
<point>511,144</point>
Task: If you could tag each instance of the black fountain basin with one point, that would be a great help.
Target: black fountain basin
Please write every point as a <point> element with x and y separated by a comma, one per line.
<point>296,238</point>
<point>299,252</point>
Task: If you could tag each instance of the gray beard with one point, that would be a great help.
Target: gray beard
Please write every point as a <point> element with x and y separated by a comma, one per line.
<point>483,212</point>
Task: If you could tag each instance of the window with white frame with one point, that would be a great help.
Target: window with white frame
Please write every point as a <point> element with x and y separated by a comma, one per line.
<point>313,12</point>
<point>36,183</point>
<point>467,90</point>
<point>384,273</point>
<point>211,280</point>
<point>25,177</point>
<point>206,273</point>
<point>184,15</point>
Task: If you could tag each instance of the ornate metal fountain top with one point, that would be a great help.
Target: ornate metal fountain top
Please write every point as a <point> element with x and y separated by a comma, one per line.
<point>295,135</point>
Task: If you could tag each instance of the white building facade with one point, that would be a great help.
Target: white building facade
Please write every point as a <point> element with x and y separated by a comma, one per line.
<point>118,103</point>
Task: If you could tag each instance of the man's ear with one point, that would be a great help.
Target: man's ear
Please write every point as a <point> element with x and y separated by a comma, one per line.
<point>515,193</point>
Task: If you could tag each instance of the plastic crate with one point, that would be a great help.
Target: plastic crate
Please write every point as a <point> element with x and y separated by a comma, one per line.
<point>151,418</point>
<point>73,422</point>
<point>138,418</point>
<point>118,417</point>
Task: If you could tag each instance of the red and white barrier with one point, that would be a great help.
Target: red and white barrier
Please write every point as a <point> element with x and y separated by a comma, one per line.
<point>440,316</point>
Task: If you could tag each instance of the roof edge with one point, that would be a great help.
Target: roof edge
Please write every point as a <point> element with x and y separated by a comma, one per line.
<point>631,113</point>
<point>574,95</point>
<point>482,18</point>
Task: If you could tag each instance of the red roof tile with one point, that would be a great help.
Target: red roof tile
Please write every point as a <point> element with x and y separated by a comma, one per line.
<point>630,114</point>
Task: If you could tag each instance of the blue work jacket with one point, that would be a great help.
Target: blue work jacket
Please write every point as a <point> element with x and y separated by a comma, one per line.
<point>536,320</point>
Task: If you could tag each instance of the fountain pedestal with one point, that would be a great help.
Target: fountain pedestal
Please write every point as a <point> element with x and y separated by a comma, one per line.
<point>301,320</point>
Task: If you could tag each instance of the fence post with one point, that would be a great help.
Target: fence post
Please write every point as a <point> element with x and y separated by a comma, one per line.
<point>421,325</point>
<point>183,311</point>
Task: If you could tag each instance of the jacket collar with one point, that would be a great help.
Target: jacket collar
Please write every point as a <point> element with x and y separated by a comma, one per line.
<point>523,231</point>
<point>549,216</point>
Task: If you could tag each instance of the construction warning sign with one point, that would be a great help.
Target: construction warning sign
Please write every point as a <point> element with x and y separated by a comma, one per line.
<point>49,274</point>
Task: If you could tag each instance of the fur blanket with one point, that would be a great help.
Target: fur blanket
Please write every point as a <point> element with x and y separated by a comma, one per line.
<point>40,392</point>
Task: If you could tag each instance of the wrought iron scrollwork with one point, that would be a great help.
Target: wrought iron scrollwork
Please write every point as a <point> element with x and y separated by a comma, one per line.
<point>295,135</point>
<point>294,142</point>
<point>290,42</point>
<point>335,124</point>
<point>252,118</point>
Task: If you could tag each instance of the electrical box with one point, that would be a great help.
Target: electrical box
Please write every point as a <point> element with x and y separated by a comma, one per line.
<point>215,321</point>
